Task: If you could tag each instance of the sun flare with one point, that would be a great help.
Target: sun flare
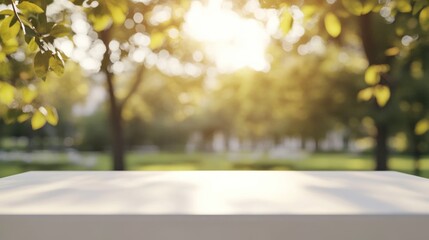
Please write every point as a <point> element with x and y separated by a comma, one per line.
<point>231,41</point>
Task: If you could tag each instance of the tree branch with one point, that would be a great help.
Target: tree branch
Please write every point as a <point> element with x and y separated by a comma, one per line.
<point>15,10</point>
<point>138,79</point>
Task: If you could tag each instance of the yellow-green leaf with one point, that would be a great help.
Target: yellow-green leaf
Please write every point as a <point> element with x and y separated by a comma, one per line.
<point>382,95</point>
<point>309,10</point>
<point>422,127</point>
<point>419,5</point>
<point>2,56</point>
<point>6,12</point>
<point>41,64</point>
<point>23,117</point>
<point>8,31</point>
<point>416,69</point>
<point>424,19</point>
<point>359,7</point>
<point>28,94</point>
<point>354,7</point>
<point>372,75</point>
<point>366,94</point>
<point>30,7</point>
<point>368,6</point>
<point>60,30</point>
<point>286,22</point>
<point>52,116</point>
<point>32,45</point>
<point>332,25</point>
<point>404,6</point>
<point>117,12</point>
<point>393,51</point>
<point>156,40</point>
<point>56,65</point>
<point>100,22</point>
<point>10,46</point>
<point>7,93</point>
<point>26,21</point>
<point>38,120</point>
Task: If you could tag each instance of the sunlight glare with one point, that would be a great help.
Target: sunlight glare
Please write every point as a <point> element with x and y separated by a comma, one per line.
<point>230,40</point>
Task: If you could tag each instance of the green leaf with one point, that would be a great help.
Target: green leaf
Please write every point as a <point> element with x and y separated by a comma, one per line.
<point>422,127</point>
<point>424,19</point>
<point>26,22</point>
<point>100,22</point>
<point>309,10</point>
<point>156,40</point>
<point>38,120</point>
<point>23,117</point>
<point>118,14</point>
<point>332,25</point>
<point>56,65</point>
<point>368,6</point>
<point>382,94</point>
<point>359,7</point>
<point>30,7</point>
<point>286,22</point>
<point>60,30</point>
<point>10,46</point>
<point>28,94</point>
<point>7,93</point>
<point>8,31</point>
<point>32,45</point>
<point>366,94</point>
<point>404,6</point>
<point>7,12</point>
<point>2,56</point>
<point>372,74</point>
<point>41,64</point>
<point>419,5</point>
<point>52,116</point>
<point>43,26</point>
<point>393,51</point>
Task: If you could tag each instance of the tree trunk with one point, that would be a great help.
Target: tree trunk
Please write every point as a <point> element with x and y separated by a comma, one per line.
<point>303,144</point>
<point>316,145</point>
<point>346,143</point>
<point>117,133</point>
<point>373,56</point>
<point>116,130</point>
<point>416,157</point>
<point>381,150</point>
<point>415,148</point>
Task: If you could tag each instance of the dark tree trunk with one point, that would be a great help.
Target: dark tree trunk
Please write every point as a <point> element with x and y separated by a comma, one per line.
<point>381,150</point>
<point>415,148</point>
<point>416,157</point>
<point>303,144</point>
<point>346,143</point>
<point>117,133</point>
<point>116,130</point>
<point>375,55</point>
<point>316,145</point>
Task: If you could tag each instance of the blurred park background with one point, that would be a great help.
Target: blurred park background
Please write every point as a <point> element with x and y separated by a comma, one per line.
<point>217,85</point>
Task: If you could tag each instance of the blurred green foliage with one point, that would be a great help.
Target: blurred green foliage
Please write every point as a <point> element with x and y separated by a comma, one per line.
<point>208,161</point>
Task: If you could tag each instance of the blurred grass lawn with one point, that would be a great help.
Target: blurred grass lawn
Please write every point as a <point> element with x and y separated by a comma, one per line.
<point>208,161</point>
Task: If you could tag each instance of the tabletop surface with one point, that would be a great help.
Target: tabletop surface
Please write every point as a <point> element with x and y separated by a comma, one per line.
<point>214,193</point>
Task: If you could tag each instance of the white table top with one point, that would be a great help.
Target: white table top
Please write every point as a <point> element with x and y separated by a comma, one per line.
<point>214,193</point>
